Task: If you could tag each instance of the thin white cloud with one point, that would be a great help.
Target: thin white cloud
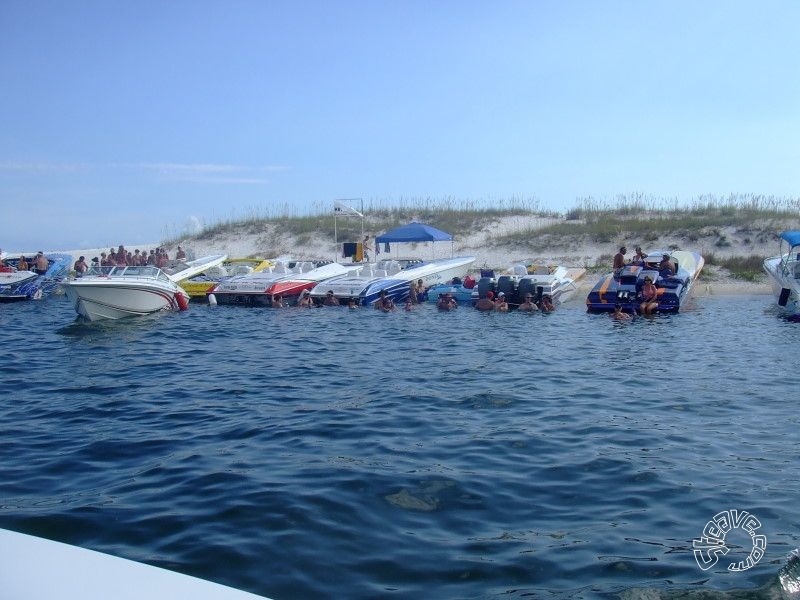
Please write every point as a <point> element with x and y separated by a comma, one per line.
<point>212,172</point>
<point>41,167</point>
<point>185,172</point>
<point>208,168</point>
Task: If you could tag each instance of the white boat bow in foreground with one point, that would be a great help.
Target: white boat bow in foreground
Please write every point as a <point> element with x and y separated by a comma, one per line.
<point>38,569</point>
<point>134,290</point>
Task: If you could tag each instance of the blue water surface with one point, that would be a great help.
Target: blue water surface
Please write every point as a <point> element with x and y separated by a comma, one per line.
<point>356,454</point>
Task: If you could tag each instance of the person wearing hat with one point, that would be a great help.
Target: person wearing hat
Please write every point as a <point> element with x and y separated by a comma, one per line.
<point>665,266</point>
<point>649,299</point>
<point>619,260</point>
<point>500,303</point>
<point>330,299</point>
<point>528,305</point>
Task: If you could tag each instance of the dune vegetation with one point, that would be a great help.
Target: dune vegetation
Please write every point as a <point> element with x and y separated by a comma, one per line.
<point>733,231</point>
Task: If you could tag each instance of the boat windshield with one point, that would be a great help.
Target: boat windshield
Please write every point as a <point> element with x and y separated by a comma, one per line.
<point>148,271</point>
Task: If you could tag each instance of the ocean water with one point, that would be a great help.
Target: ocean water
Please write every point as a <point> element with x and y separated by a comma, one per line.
<point>355,454</point>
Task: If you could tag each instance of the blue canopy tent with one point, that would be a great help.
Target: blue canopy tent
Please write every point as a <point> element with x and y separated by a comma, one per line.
<point>414,232</point>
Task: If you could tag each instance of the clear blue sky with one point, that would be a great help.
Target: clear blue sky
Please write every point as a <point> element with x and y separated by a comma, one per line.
<point>123,122</point>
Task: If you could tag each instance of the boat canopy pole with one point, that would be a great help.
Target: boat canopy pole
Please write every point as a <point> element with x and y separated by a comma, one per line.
<point>342,208</point>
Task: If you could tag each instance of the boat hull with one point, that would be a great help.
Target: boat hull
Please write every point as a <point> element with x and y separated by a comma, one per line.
<point>119,300</point>
<point>784,275</point>
<point>258,289</point>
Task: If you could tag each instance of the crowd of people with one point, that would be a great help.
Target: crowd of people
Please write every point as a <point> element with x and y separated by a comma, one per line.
<point>648,295</point>
<point>121,257</point>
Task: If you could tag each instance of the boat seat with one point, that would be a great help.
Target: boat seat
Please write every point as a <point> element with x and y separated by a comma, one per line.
<point>242,270</point>
<point>218,271</point>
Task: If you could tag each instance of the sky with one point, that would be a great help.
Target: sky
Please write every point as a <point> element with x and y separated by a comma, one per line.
<point>132,122</point>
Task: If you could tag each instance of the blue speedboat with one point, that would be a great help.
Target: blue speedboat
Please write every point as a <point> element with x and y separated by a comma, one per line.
<point>624,288</point>
<point>26,284</point>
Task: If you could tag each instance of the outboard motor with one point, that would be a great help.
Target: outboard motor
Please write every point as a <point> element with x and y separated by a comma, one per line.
<point>508,285</point>
<point>485,284</point>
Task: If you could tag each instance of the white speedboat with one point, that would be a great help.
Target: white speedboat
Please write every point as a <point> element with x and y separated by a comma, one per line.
<point>284,278</point>
<point>557,282</point>
<point>120,292</point>
<point>35,568</point>
<point>784,272</point>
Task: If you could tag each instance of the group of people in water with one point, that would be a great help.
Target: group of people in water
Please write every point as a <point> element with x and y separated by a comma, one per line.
<point>417,295</point>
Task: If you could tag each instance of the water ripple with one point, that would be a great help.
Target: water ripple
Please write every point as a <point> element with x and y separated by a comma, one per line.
<point>357,454</point>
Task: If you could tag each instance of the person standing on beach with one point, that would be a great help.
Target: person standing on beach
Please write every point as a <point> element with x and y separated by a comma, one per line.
<point>366,248</point>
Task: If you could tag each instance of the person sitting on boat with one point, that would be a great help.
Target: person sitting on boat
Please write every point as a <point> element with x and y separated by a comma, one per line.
<point>384,303</point>
<point>500,303</point>
<point>529,305</point>
<point>469,282</point>
<point>639,257</point>
<point>80,266</point>
<point>330,299</point>
<point>180,254</point>
<point>22,265</point>
<point>665,266</point>
<point>40,263</point>
<point>446,302</point>
<point>486,303</point>
<point>546,304</point>
<point>649,292</point>
<point>619,260</point>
